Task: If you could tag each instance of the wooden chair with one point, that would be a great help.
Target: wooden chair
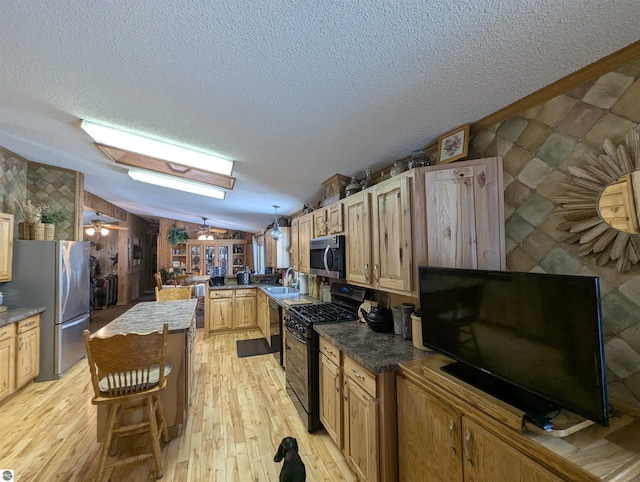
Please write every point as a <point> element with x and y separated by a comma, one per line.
<point>158,279</point>
<point>127,372</point>
<point>178,293</point>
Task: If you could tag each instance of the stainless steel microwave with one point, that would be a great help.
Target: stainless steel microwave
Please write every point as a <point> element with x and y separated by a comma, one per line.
<point>327,256</point>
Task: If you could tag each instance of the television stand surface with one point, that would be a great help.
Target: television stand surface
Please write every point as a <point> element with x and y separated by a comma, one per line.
<point>565,423</point>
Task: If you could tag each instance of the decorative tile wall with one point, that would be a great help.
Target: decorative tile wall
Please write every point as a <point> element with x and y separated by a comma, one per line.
<point>538,146</point>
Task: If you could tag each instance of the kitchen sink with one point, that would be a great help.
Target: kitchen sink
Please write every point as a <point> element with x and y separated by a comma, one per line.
<point>282,290</point>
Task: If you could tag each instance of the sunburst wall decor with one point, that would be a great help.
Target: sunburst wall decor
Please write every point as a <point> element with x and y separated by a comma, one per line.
<point>579,205</point>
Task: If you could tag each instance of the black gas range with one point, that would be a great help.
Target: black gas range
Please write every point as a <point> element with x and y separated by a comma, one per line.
<point>302,350</point>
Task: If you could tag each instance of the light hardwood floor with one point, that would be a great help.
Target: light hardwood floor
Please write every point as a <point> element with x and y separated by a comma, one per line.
<point>240,411</point>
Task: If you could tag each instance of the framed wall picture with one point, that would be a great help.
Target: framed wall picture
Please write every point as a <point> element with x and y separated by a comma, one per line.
<point>453,145</point>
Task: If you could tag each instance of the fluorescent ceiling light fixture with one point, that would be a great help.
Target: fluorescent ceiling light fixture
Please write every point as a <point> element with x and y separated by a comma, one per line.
<point>176,183</point>
<point>158,149</point>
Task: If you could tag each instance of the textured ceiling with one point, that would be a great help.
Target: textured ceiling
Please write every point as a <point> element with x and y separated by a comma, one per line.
<point>293,91</point>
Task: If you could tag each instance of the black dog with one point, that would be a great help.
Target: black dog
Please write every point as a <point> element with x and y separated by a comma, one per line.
<point>293,469</point>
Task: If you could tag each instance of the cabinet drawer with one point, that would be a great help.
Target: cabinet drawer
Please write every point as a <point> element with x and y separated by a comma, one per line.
<point>221,294</point>
<point>360,375</point>
<point>330,351</point>
<point>7,331</point>
<point>28,324</point>
<point>249,292</point>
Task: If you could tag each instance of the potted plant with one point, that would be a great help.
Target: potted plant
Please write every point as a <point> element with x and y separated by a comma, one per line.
<point>32,226</point>
<point>50,219</point>
<point>176,236</point>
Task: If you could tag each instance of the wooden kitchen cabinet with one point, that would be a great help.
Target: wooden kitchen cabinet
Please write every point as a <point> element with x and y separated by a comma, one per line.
<point>335,218</point>
<point>328,220</point>
<point>379,244</point>
<point>262,313</point>
<point>361,436</point>
<point>305,234</point>
<point>436,439</point>
<point>19,354</point>
<point>358,410</point>
<point>447,215</point>
<point>231,310</point>
<point>358,251</point>
<point>295,248</point>
<point>331,391</point>
<point>277,253</point>
<point>244,311</point>
<point>319,223</point>
<point>220,314</point>
<point>27,350</point>
<point>6,246</point>
<point>204,255</point>
<point>453,431</point>
<point>465,215</point>
<point>7,360</point>
<point>391,235</point>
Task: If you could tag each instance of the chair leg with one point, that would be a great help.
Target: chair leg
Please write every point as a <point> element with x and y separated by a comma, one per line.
<point>153,431</point>
<point>106,439</point>
<point>160,418</point>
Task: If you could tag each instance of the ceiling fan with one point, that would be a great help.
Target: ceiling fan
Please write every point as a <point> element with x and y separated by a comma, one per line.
<point>98,226</point>
<point>206,232</point>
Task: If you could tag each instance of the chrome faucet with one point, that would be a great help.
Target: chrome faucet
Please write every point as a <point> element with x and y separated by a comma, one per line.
<point>286,273</point>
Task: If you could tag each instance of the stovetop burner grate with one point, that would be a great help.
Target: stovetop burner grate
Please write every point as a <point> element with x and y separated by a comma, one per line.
<point>323,313</point>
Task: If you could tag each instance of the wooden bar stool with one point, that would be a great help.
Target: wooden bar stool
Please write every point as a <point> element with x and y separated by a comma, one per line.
<point>127,372</point>
<point>178,293</point>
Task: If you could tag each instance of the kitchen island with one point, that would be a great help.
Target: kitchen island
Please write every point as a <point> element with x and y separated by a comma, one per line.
<point>150,316</point>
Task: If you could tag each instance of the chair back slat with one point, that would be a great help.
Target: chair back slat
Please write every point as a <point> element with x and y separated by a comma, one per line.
<point>178,293</point>
<point>125,364</point>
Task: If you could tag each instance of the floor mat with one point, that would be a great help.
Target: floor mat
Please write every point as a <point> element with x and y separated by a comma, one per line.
<point>255,346</point>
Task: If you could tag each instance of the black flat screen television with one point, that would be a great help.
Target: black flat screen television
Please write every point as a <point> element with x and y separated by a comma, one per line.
<point>533,340</point>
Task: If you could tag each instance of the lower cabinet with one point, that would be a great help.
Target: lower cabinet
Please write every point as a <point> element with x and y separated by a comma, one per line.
<point>262,313</point>
<point>357,408</point>
<point>331,391</point>
<point>19,354</point>
<point>231,309</point>
<point>7,360</point>
<point>435,439</point>
<point>361,436</point>
<point>28,351</point>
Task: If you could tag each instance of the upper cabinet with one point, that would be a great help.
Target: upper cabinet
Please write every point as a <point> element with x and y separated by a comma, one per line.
<point>465,215</point>
<point>446,215</point>
<point>295,245</point>
<point>276,252</point>
<point>305,234</point>
<point>6,246</point>
<point>379,242</point>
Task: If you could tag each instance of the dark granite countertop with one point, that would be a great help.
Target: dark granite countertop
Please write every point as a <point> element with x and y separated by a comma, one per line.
<point>233,286</point>
<point>377,352</point>
<point>151,315</point>
<point>284,300</point>
<point>19,314</point>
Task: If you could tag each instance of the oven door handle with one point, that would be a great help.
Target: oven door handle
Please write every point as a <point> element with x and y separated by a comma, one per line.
<point>297,336</point>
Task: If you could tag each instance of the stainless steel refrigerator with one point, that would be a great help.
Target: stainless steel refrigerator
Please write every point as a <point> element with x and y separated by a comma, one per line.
<point>54,274</point>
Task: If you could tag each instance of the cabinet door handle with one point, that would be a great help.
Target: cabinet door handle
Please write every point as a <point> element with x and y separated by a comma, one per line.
<point>452,427</point>
<point>376,275</point>
<point>357,374</point>
<point>467,447</point>
<point>365,272</point>
<point>328,350</point>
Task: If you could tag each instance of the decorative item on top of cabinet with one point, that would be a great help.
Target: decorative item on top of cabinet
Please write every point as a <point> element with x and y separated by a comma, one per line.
<point>6,246</point>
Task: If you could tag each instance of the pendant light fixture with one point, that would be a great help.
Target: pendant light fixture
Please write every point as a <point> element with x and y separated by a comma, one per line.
<point>275,232</point>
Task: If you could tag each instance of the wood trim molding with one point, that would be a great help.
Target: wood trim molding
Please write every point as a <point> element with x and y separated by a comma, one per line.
<point>565,84</point>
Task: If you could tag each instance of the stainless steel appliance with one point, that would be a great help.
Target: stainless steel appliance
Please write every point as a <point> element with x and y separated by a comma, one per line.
<point>302,372</point>
<point>216,276</point>
<point>54,274</point>
<point>275,330</point>
<point>327,256</point>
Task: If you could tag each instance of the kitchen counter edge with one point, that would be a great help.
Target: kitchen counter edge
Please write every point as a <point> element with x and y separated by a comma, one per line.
<point>18,314</point>
<point>377,352</point>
